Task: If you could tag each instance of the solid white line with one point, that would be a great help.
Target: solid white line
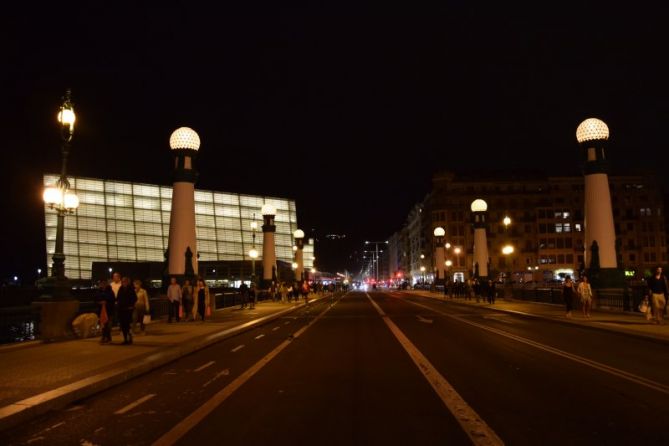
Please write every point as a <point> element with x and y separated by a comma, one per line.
<point>202,367</point>
<point>135,404</point>
<point>576,358</point>
<point>236,349</point>
<point>477,429</point>
<point>259,336</point>
<point>275,328</point>
<point>181,429</point>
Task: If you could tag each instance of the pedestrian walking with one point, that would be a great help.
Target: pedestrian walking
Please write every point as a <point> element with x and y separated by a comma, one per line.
<point>188,301</point>
<point>253,296</point>
<point>657,290</point>
<point>203,300</point>
<point>585,295</point>
<point>141,306</point>
<point>305,291</point>
<point>491,292</point>
<point>125,304</point>
<point>174,298</point>
<point>568,294</point>
<point>244,294</point>
<point>105,299</point>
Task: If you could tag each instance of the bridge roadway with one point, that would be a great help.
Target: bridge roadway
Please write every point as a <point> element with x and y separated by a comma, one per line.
<point>385,368</point>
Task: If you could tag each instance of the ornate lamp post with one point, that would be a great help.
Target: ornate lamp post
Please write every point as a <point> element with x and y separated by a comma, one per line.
<point>57,306</point>
<point>253,253</point>
<point>60,198</point>
<point>298,235</point>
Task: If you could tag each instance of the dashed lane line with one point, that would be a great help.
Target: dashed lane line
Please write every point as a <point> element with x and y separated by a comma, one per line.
<point>131,406</point>
<point>236,349</point>
<point>262,335</point>
<point>473,425</point>
<point>202,367</point>
<point>196,417</point>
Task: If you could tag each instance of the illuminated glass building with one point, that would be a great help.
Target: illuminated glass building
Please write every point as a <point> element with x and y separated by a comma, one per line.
<point>129,222</point>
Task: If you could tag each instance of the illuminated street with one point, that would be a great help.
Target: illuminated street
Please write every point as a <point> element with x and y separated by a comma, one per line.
<point>346,379</point>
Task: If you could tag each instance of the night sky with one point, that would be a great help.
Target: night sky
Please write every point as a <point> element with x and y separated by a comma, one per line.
<point>347,110</point>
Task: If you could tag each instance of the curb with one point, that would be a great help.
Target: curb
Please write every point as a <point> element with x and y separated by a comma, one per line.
<point>645,337</point>
<point>28,408</point>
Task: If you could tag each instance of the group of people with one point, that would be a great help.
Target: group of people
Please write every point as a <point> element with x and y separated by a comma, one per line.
<point>583,291</point>
<point>472,288</point>
<point>282,291</point>
<point>119,299</point>
<point>188,302</point>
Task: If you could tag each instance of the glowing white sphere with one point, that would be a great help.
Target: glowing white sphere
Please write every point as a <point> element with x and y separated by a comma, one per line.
<point>53,195</point>
<point>592,129</point>
<point>479,205</point>
<point>298,234</point>
<point>184,138</point>
<point>70,201</point>
<point>439,231</point>
<point>253,253</point>
<point>268,209</point>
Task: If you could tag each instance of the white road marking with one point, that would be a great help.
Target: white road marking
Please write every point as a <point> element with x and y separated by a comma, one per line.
<point>477,429</point>
<point>181,429</point>
<point>498,318</point>
<point>547,348</point>
<point>286,323</point>
<point>259,336</point>
<point>275,328</point>
<point>202,367</point>
<point>422,319</point>
<point>225,372</point>
<point>32,440</point>
<point>131,406</point>
<point>236,349</point>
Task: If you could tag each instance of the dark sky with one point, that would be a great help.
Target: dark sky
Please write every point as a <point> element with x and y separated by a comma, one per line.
<point>347,110</point>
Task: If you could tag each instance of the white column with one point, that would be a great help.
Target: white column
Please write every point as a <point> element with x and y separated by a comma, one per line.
<point>182,228</point>
<point>599,220</point>
<point>440,259</point>
<point>299,259</point>
<point>268,254</point>
<point>481,251</point>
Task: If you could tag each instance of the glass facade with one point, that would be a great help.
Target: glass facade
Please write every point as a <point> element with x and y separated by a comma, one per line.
<point>121,221</point>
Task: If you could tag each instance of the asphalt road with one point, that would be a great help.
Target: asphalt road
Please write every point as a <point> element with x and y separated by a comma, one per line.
<point>386,368</point>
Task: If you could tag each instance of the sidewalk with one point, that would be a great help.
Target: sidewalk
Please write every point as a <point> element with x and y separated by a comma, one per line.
<point>633,324</point>
<point>36,377</point>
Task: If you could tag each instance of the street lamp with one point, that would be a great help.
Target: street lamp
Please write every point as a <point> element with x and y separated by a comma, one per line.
<point>268,212</point>
<point>506,221</point>
<point>60,198</point>
<point>367,242</point>
<point>479,208</point>
<point>439,234</point>
<point>298,235</point>
<point>253,253</point>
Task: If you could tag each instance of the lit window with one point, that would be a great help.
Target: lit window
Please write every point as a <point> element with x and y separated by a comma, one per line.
<point>577,227</point>
<point>558,227</point>
<point>567,227</point>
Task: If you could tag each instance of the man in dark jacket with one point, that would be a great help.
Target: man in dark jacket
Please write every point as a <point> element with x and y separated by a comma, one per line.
<point>125,304</point>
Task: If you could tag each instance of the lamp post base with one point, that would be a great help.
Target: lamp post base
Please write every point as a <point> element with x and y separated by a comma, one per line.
<point>57,308</point>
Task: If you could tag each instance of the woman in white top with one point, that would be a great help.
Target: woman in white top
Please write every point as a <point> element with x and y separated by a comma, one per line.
<point>585,293</point>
